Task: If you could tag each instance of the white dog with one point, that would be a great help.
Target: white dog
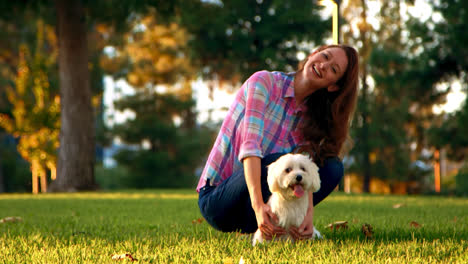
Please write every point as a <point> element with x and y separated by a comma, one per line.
<point>290,179</point>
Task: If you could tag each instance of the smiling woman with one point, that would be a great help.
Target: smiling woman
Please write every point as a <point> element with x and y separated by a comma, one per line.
<point>330,110</point>
<point>275,113</point>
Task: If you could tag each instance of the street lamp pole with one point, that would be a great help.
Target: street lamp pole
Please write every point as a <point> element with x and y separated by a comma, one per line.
<point>335,4</point>
<point>336,21</point>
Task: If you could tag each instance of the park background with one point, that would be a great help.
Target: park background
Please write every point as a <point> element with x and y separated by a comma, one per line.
<point>130,94</point>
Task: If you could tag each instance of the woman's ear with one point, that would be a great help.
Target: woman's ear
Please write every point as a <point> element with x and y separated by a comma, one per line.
<point>333,88</point>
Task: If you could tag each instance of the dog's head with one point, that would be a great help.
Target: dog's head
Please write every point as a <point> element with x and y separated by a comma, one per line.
<point>293,175</point>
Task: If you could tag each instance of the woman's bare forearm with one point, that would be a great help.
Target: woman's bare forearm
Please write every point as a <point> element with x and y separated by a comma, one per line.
<point>252,170</point>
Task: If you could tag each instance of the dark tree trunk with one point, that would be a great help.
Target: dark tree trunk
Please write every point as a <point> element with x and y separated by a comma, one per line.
<point>75,168</point>
<point>365,135</point>
<point>2,181</point>
<point>365,106</point>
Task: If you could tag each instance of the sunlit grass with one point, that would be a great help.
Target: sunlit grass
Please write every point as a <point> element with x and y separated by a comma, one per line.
<point>157,226</point>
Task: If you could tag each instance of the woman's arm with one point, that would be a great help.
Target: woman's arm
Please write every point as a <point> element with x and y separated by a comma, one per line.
<point>265,217</point>
<point>252,173</point>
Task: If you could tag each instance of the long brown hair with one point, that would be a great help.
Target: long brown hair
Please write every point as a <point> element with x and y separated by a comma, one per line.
<point>329,114</point>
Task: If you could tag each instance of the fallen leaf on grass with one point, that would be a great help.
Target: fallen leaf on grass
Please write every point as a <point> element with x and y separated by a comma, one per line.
<point>123,256</point>
<point>198,221</point>
<point>11,219</point>
<point>415,224</point>
<point>398,205</point>
<point>338,225</point>
<point>454,219</point>
<point>367,231</point>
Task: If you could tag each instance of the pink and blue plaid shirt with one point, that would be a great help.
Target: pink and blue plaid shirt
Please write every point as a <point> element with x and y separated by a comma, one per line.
<point>262,120</point>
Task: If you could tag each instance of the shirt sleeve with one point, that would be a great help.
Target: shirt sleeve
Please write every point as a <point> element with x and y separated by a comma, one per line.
<point>256,93</point>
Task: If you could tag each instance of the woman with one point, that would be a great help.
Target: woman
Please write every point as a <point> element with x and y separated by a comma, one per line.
<point>273,114</point>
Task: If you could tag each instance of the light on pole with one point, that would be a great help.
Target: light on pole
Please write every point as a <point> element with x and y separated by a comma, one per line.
<point>335,4</point>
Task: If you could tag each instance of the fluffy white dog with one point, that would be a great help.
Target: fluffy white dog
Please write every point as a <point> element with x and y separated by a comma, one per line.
<point>290,178</point>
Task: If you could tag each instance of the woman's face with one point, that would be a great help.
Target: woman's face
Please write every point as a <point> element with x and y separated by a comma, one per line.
<point>324,68</point>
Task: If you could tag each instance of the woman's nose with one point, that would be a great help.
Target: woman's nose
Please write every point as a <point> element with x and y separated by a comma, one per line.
<point>324,65</point>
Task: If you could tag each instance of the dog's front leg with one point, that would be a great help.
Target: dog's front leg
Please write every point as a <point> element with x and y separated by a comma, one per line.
<point>257,238</point>
<point>316,234</point>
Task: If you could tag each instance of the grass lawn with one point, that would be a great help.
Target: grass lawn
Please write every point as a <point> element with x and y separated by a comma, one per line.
<point>163,226</point>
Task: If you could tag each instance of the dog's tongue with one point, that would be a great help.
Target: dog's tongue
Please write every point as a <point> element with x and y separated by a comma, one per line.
<point>298,191</point>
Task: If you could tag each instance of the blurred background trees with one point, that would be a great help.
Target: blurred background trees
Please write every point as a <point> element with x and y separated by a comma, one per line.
<point>409,63</point>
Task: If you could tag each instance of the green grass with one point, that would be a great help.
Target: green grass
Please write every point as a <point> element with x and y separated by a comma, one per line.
<point>157,226</point>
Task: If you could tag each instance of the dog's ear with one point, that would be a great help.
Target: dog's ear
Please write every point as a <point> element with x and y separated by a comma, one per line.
<point>272,177</point>
<point>313,170</point>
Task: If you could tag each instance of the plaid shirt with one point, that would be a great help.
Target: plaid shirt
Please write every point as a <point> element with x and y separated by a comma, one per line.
<point>262,120</point>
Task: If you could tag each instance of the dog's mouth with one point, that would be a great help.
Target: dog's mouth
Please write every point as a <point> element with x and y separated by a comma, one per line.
<point>297,189</point>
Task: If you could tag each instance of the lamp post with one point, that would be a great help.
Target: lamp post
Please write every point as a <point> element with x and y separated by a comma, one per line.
<point>335,4</point>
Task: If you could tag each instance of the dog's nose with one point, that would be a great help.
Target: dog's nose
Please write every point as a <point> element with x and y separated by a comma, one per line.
<point>299,178</point>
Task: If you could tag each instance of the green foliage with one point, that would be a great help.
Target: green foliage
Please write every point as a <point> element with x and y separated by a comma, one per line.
<point>171,165</point>
<point>114,178</point>
<point>450,33</point>
<point>161,227</point>
<point>451,134</point>
<point>406,59</point>
<point>461,180</point>
<point>235,38</point>
<point>382,138</point>
<point>33,95</point>
<point>15,170</point>
<point>167,154</point>
<point>149,170</point>
<point>446,60</point>
<point>169,146</point>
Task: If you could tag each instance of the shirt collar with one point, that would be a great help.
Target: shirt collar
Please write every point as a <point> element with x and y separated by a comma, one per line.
<point>290,89</point>
<point>289,93</point>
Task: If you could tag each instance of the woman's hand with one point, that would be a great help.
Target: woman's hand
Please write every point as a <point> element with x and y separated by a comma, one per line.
<point>267,222</point>
<point>305,230</point>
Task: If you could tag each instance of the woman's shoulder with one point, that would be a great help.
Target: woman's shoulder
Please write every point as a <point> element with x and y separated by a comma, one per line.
<point>266,75</point>
<point>269,77</point>
<point>269,74</point>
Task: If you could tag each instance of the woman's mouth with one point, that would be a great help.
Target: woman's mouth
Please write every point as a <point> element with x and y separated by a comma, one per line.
<point>317,72</point>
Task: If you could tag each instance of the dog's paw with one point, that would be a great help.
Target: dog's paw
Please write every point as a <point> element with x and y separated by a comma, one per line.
<point>316,234</point>
<point>257,238</point>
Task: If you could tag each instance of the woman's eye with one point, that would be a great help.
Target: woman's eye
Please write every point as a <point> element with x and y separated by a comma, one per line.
<point>325,56</point>
<point>333,69</point>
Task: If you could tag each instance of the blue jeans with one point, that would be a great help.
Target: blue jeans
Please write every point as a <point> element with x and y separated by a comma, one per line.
<point>227,207</point>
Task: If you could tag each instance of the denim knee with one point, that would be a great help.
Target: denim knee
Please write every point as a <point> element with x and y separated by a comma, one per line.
<point>333,169</point>
<point>331,174</point>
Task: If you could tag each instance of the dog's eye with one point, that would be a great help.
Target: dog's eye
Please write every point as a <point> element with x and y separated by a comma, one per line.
<point>302,168</point>
<point>288,170</point>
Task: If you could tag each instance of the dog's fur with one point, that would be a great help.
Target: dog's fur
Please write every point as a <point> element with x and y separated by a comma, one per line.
<point>290,179</point>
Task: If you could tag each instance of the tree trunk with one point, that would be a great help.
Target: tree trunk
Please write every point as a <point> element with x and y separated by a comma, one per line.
<point>365,103</point>
<point>365,134</point>
<point>2,181</point>
<point>75,170</point>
